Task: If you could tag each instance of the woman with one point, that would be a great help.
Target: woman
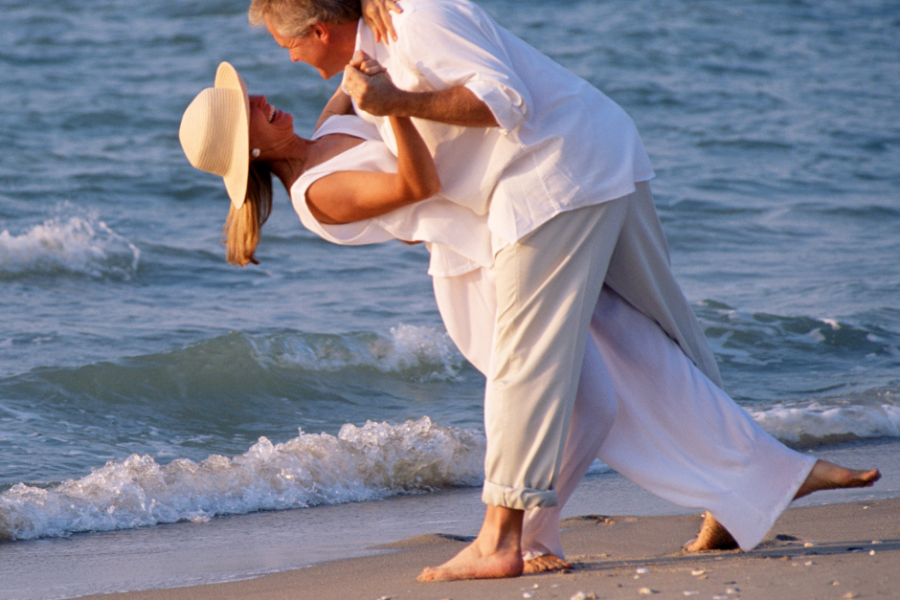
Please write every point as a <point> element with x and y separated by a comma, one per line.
<point>348,188</point>
<point>340,197</point>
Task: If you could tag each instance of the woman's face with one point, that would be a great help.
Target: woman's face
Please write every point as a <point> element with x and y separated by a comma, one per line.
<point>271,130</point>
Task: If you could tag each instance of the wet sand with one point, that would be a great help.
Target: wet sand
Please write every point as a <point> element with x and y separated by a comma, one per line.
<point>842,551</point>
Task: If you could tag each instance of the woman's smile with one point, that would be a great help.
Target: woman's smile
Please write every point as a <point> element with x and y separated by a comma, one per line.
<point>273,113</point>
<point>270,127</point>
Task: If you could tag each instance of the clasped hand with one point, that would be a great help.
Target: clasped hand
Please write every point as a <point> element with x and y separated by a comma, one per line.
<point>370,86</point>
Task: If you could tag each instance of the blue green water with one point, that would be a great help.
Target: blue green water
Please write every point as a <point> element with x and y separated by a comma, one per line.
<point>139,371</point>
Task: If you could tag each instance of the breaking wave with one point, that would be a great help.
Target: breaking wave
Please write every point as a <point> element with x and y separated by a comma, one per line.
<point>371,462</point>
<point>75,246</point>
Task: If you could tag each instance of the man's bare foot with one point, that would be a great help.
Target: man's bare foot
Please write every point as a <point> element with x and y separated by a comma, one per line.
<point>712,536</point>
<point>829,476</point>
<point>495,553</point>
<point>474,563</point>
<point>545,563</point>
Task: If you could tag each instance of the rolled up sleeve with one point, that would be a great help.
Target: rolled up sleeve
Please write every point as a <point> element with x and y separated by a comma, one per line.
<point>455,48</point>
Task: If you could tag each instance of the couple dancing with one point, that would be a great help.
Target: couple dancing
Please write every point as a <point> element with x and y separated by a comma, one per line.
<point>550,269</point>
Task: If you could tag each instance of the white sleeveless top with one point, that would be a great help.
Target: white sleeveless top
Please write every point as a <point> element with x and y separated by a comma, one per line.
<point>458,239</point>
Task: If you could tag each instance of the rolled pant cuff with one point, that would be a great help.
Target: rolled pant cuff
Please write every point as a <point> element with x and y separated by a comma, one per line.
<point>517,498</point>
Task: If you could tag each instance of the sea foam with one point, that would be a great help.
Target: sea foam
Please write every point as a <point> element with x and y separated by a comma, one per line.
<point>371,462</point>
<point>814,423</point>
<point>83,246</point>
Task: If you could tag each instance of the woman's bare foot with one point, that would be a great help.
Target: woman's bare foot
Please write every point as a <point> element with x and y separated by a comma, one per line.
<point>829,476</point>
<point>824,476</point>
<point>712,536</point>
<point>495,553</point>
<point>545,563</point>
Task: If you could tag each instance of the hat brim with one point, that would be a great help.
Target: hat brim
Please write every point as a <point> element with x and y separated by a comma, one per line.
<point>236,178</point>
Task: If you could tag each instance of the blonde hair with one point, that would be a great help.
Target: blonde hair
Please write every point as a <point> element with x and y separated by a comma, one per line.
<point>243,225</point>
<point>293,18</point>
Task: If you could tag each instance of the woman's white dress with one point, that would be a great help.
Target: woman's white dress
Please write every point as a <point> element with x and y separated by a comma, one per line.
<point>661,423</point>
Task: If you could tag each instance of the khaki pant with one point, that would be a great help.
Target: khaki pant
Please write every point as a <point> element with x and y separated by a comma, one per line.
<point>675,433</point>
<point>547,287</point>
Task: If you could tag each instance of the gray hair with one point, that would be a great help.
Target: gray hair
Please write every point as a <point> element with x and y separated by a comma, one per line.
<point>293,18</point>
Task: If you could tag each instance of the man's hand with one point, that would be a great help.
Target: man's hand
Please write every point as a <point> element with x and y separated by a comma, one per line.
<point>370,86</point>
<point>377,16</point>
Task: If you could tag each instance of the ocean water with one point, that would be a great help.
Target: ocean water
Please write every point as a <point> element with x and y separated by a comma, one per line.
<point>145,382</point>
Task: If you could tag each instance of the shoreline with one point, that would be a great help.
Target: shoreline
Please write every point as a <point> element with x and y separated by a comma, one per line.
<point>844,550</point>
<point>347,543</point>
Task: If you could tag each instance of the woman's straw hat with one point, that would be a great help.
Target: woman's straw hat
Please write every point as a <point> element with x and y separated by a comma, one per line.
<point>214,131</point>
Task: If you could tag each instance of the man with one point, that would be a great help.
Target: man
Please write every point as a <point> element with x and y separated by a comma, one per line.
<point>561,174</point>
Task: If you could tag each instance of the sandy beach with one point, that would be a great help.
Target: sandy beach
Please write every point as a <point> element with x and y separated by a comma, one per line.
<point>841,551</point>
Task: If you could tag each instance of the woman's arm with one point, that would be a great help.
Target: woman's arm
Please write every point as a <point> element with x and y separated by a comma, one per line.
<point>349,196</point>
<point>338,104</point>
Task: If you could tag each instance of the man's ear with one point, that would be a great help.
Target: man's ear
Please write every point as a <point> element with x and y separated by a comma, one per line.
<point>322,31</point>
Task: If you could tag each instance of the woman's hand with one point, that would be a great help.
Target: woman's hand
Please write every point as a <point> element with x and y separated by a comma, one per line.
<point>364,63</point>
<point>377,16</point>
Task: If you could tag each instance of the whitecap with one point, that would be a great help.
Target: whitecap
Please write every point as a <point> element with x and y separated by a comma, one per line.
<point>816,422</point>
<point>371,462</point>
<point>83,246</point>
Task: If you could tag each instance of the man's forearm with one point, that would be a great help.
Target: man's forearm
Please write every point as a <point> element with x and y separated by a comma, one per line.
<point>454,106</point>
<point>376,94</point>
